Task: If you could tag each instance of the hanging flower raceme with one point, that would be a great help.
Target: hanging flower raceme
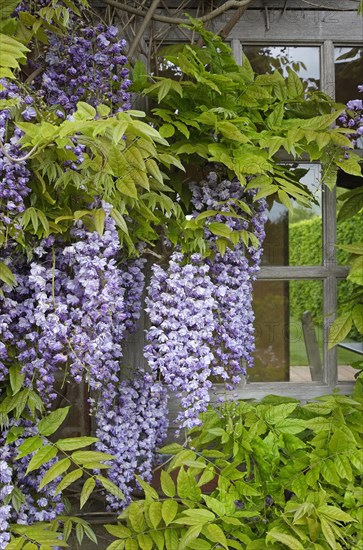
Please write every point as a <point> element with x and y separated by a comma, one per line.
<point>87,65</point>
<point>34,504</point>
<point>6,488</point>
<point>68,312</point>
<point>232,273</point>
<point>14,176</point>
<point>131,430</point>
<point>201,311</point>
<point>180,306</point>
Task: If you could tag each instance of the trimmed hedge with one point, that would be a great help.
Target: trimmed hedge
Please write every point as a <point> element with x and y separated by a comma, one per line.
<point>305,248</point>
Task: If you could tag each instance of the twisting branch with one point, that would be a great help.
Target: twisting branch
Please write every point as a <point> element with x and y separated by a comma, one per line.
<point>230,4</point>
<point>14,159</point>
<point>33,75</point>
<point>142,28</point>
<point>226,29</point>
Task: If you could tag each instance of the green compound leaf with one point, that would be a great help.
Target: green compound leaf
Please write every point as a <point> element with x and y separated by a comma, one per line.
<point>49,424</point>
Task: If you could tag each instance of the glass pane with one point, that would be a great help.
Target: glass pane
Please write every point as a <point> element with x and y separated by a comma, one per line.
<point>281,350</point>
<point>295,238</point>
<point>348,73</point>
<point>350,351</point>
<point>348,76</point>
<point>348,231</point>
<point>305,61</point>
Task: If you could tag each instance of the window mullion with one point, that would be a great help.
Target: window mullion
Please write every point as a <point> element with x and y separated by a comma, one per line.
<point>329,234</point>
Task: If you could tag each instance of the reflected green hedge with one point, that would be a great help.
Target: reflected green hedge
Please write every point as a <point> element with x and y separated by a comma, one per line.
<point>305,248</point>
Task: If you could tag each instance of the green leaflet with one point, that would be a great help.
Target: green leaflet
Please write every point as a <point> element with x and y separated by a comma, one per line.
<point>49,424</point>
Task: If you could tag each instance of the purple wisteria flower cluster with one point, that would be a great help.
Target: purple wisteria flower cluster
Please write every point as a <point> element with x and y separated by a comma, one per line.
<point>181,306</point>
<point>131,430</point>
<point>232,273</point>
<point>133,282</point>
<point>34,504</point>
<point>6,488</point>
<point>352,118</point>
<point>86,65</point>
<point>70,312</point>
<point>14,176</point>
<point>201,311</point>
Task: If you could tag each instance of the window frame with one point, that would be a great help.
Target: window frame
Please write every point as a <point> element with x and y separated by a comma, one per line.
<point>329,272</point>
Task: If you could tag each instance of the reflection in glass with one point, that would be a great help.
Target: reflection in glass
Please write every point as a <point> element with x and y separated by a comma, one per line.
<point>347,357</point>
<point>281,351</point>
<point>305,61</point>
<point>348,73</point>
<point>295,238</point>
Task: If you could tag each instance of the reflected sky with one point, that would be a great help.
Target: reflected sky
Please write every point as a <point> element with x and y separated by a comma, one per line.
<point>304,60</point>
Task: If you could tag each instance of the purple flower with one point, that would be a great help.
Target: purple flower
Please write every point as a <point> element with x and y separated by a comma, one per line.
<point>200,310</point>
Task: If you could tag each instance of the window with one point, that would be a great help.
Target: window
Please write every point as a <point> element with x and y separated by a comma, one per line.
<point>290,275</point>
<point>325,48</point>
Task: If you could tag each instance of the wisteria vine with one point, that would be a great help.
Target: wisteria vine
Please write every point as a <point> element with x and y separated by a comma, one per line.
<point>77,298</point>
<point>201,311</point>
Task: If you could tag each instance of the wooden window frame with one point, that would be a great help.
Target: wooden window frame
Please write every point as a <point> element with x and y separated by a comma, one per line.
<point>329,271</point>
<point>326,29</point>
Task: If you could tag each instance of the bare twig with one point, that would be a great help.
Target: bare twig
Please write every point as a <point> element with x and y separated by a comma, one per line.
<point>33,75</point>
<point>230,4</point>
<point>14,159</point>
